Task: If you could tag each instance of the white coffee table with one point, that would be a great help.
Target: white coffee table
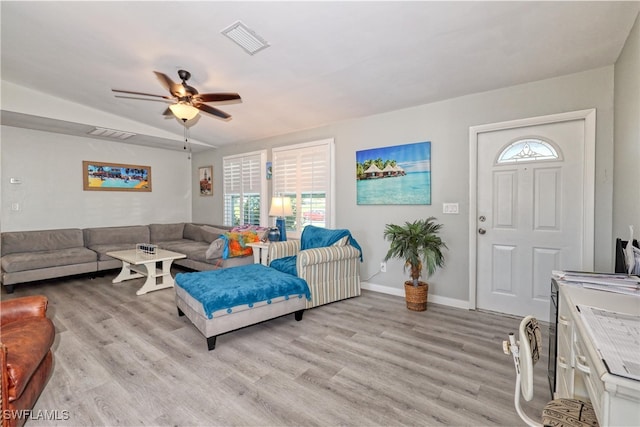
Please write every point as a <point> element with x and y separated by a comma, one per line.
<point>136,264</point>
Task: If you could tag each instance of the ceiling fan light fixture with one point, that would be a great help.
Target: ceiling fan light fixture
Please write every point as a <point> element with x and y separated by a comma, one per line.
<point>184,111</point>
<point>244,37</point>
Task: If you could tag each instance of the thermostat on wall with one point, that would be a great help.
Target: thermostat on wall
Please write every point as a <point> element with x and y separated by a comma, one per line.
<point>15,181</point>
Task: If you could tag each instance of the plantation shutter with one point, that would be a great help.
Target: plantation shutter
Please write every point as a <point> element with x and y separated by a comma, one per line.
<point>243,186</point>
<point>232,176</point>
<point>303,173</point>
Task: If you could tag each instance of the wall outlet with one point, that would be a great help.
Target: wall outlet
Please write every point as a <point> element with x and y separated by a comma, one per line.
<point>383,267</point>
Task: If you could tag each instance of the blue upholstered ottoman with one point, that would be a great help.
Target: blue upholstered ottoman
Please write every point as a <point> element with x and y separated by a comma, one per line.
<point>221,301</point>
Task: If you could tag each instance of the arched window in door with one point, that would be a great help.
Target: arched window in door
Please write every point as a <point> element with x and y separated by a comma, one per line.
<point>527,150</point>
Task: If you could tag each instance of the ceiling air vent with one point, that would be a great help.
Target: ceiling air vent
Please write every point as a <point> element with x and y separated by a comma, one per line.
<point>111,133</point>
<point>246,38</point>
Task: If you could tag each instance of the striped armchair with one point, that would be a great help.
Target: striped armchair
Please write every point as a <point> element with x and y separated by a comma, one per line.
<point>332,272</point>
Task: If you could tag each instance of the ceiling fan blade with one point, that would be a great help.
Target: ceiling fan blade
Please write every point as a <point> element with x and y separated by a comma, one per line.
<point>145,99</point>
<point>167,112</point>
<point>140,93</point>
<point>213,97</point>
<point>212,110</point>
<point>173,87</point>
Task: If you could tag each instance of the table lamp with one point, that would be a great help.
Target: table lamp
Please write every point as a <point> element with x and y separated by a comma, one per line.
<point>281,207</point>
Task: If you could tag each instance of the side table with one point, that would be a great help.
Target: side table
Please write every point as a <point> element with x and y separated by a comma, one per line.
<point>260,252</point>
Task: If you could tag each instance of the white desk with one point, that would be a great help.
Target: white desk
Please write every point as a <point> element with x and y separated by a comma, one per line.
<point>580,372</point>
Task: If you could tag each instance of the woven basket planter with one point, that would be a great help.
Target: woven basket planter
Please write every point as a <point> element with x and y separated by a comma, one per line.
<point>416,296</point>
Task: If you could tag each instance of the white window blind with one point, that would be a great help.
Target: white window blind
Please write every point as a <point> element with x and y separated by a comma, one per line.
<point>303,173</point>
<point>243,187</point>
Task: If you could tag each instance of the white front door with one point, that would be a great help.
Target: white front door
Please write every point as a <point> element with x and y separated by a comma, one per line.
<point>530,213</point>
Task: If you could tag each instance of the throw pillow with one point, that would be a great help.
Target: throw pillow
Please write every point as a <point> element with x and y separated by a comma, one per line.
<point>237,243</point>
<point>262,232</point>
<point>342,242</point>
<point>215,249</point>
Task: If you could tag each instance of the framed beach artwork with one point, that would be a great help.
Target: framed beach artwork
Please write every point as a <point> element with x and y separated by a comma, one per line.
<point>205,175</point>
<point>396,175</point>
<point>98,176</point>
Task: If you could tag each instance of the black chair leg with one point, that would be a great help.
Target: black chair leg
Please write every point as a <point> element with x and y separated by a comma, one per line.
<point>211,343</point>
<point>299,314</point>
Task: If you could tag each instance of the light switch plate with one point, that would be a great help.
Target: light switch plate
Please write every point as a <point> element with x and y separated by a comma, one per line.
<point>450,208</point>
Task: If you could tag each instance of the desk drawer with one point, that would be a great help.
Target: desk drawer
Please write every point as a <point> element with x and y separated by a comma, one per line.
<point>564,381</point>
<point>585,369</point>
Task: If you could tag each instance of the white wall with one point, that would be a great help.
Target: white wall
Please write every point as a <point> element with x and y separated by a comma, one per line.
<point>626,194</point>
<point>51,194</point>
<point>446,124</point>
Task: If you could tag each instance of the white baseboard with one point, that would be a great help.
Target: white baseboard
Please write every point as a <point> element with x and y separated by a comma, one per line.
<point>436,299</point>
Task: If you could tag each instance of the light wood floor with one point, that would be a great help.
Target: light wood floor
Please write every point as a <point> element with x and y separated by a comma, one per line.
<point>122,359</point>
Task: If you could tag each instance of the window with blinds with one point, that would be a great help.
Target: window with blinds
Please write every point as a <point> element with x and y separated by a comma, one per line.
<point>244,186</point>
<point>303,172</point>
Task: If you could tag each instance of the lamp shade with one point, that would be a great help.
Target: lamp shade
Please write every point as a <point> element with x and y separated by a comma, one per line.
<point>184,111</point>
<point>280,207</point>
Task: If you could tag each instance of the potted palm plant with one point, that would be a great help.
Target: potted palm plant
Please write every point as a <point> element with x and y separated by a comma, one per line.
<point>418,244</point>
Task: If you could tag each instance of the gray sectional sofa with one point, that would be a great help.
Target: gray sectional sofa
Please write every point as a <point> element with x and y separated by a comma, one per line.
<point>37,255</point>
<point>28,256</point>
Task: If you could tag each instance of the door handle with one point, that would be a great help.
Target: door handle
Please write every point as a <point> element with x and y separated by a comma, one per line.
<point>481,231</point>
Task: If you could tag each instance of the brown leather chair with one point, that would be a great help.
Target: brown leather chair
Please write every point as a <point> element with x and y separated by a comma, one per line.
<point>26,361</point>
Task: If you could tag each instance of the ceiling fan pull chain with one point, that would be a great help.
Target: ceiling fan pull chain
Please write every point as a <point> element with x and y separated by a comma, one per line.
<point>186,139</point>
<point>184,123</point>
<point>188,142</point>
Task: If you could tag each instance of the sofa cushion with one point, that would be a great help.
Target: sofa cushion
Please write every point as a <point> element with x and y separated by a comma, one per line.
<point>219,230</point>
<point>209,233</point>
<point>170,244</point>
<point>42,240</point>
<point>116,235</point>
<point>24,261</point>
<point>27,341</point>
<point>286,265</point>
<point>103,249</point>
<point>193,232</point>
<point>193,250</point>
<point>166,232</point>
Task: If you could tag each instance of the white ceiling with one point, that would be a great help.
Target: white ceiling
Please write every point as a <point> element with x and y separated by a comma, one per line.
<point>328,61</point>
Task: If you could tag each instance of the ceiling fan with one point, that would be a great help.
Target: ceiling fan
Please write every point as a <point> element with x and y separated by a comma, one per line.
<point>188,102</point>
